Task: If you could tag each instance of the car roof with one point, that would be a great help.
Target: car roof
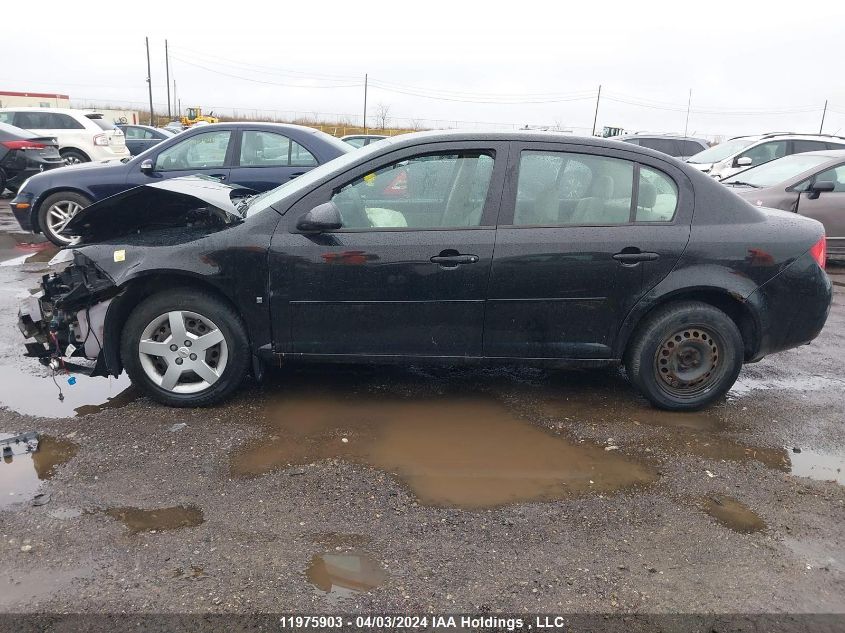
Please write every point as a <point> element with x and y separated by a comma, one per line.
<point>673,137</point>
<point>84,113</point>
<point>832,154</point>
<point>788,136</point>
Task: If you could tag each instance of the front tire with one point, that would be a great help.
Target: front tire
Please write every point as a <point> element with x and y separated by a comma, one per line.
<point>56,211</point>
<point>685,356</point>
<point>185,348</point>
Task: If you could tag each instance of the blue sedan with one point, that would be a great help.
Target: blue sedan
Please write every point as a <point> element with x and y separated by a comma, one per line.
<point>258,156</point>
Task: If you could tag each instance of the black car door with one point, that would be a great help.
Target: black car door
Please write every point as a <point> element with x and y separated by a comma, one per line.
<point>407,272</point>
<point>584,232</point>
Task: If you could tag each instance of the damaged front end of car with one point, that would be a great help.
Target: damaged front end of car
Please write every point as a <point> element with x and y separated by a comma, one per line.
<point>78,309</point>
<point>66,319</point>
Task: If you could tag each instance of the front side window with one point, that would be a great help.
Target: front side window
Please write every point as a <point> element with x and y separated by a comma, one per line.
<point>6,117</point>
<point>777,171</point>
<point>137,133</point>
<point>765,152</point>
<point>206,150</point>
<point>267,149</point>
<point>664,145</point>
<point>720,152</point>
<point>431,191</point>
<point>836,175</point>
<point>560,189</point>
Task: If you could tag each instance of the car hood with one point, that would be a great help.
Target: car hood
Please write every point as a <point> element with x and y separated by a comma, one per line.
<point>156,205</point>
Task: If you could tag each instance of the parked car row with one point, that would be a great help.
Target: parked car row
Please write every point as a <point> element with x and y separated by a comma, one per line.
<point>24,154</point>
<point>257,156</point>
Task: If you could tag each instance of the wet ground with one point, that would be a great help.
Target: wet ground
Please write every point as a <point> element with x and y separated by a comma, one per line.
<point>414,489</point>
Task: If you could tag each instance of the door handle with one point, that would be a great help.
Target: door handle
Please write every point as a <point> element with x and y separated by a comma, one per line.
<point>633,257</point>
<point>450,261</point>
<point>294,175</point>
<point>220,177</point>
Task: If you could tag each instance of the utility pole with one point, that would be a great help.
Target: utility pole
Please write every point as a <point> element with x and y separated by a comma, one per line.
<point>167,70</point>
<point>178,114</point>
<point>824,112</point>
<point>149,79</point>
<point>686,123</point>
<point>365,103</point>
<point>596,117</point>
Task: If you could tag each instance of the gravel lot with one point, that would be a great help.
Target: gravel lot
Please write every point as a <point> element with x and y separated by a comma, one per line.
<point>356,489</point>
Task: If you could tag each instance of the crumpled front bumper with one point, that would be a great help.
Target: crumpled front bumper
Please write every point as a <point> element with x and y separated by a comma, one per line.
<point>66,318</point>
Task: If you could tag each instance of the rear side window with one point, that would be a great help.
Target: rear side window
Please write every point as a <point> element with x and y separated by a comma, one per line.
<point>799,147</point>
<point>691,148</point>
<point>267,149</point>
<point>560,189</point>
<point>657,197</point>
<point>664,145</point>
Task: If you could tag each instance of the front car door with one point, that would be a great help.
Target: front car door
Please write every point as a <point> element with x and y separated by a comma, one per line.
<point>584,233</point>
<point>407,272</point>
<point>207,153</point>
<point>268,159</point>
<point>827,207</point>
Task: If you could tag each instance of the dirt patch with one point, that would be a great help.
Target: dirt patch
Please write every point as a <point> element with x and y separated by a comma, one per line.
<point>158,519</point>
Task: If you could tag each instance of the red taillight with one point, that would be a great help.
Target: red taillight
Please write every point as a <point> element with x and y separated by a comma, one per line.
<point>819,252</point>
<point>22,145</point>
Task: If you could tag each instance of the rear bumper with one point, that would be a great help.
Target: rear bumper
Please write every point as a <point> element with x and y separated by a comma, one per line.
<point>793,306</point>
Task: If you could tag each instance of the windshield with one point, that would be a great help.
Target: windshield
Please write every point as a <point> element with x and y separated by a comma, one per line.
<point>721,151</point>
<point>269,198</point>
<point>777,171</point>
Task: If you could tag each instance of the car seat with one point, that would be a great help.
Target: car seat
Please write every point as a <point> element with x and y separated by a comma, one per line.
<point>592,210</point>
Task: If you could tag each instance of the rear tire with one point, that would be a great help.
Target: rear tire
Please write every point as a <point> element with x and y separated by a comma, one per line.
<point>55,212</point>
<point>211,354</point>
<point>685,356</point>
<point>74,156</point>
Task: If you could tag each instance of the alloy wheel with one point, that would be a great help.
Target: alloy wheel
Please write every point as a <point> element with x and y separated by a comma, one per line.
<point>183,352</point>
<point>58,215</point>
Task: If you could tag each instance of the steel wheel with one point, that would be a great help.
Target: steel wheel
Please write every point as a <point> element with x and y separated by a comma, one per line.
<point>687,362</point>
<point>183,352</point>
<point>59,214</point>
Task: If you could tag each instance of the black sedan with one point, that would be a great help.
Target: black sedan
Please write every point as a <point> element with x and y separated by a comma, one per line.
<point>258,156</point>
<point>439,248</point>
<point>140,138</point>
<point>24,154</point>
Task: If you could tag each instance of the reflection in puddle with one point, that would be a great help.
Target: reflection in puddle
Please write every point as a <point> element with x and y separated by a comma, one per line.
<point>38,395</point>
<point>16,250</point>
<point>21,475</point>
<point>158,519</point>
<point>21,588</point>
<point>744,386</point>
<point>341,575</point>
<point>818,465</point>
<point>470,453</point>
<point>732,514</point>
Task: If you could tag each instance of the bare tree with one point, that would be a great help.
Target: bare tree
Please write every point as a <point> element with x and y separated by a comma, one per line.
<point>382,114</point>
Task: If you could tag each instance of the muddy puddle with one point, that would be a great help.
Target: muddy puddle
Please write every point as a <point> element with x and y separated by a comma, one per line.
<point>17,249</point>
<point>344,575</point>
<point>157,519</point>
<point>825,466</point>
<point>37,394</point>
<point>22,473</point>
<point>469,453</point>
<point>733,514</point>
<point>24,587</point>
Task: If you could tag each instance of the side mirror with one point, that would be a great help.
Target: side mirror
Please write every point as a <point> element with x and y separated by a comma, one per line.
<point>819,187</point>
<point>743,161</point>
<point>324,217</point>
<point>147,166</point>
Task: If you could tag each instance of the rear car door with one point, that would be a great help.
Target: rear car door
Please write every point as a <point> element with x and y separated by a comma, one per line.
<point>407,272</point>
<point>584,233</point>
<point>266,159</point>
<point>828,208</point>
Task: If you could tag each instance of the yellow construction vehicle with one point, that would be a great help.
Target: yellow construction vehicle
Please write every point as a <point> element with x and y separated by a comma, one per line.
<point>194,115</point>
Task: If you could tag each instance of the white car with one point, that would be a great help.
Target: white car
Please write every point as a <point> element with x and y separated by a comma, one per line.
<point>742,152</point>
<point>82,136</point>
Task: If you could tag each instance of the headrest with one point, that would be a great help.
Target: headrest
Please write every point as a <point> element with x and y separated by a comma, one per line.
<point>648,195</point>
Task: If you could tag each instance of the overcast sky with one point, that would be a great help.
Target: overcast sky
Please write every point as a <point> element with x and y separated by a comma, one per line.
<point>751,66</point>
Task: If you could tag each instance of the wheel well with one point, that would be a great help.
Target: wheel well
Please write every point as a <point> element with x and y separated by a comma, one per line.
<point>36,210</point>
<point>136,291</point>
<point>65,150</point>
<point>737,310</point>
